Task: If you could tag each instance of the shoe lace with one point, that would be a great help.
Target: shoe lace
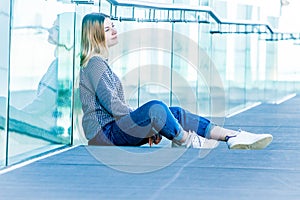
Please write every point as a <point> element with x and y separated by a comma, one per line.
<point>227,137</point>
<point>194,140</point>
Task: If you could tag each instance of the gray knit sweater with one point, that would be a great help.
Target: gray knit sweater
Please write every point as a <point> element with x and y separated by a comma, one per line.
<point>101,95</point>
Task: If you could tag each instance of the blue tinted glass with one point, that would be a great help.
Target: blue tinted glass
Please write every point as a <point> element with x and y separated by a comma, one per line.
<point>4,69</point>
<point>40,78</point>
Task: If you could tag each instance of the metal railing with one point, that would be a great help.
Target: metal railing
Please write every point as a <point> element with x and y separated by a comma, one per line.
<point>142,11</point>
<point>158,12</point>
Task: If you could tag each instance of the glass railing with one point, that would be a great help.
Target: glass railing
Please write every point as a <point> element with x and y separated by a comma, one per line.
<point>4,71</point>
<point>246,56</point>
<point>37,97</point>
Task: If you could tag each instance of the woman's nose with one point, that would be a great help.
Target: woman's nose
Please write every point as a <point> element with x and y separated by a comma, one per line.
<point>114,31</point>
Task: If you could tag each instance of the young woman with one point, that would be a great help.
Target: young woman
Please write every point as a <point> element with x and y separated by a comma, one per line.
<point>108,120</point>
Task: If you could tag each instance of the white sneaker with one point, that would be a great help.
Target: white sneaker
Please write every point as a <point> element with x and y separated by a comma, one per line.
<point>246,140</point>
<point>192,141</point>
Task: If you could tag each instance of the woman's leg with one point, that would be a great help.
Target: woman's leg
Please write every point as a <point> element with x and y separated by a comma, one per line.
<point>155,117</point>
<point>149,119</point>
<point>200,125</point>
<point>192,122</point>
<point>235,139</point>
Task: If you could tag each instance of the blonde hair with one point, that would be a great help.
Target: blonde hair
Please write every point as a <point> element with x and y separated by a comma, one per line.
<point>93,37</point>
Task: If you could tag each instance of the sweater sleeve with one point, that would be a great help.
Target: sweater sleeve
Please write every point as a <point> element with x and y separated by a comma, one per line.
<point>107,92</point>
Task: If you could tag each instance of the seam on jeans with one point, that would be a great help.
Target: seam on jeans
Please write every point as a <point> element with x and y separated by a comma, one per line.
<point>208,130</point>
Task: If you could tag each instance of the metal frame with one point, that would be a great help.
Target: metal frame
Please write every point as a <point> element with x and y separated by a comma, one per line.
<point>200,14</point>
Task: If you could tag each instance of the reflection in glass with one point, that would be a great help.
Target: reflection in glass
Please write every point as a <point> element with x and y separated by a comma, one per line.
<point>41,81</point>
<point>4,68</point>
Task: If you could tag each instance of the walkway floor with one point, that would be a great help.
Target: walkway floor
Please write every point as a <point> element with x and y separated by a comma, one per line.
<point>165,173</point>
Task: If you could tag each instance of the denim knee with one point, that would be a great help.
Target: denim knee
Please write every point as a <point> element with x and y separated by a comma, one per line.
<point>162,119</point>
<point>158,110</point>
<point>156,102</point>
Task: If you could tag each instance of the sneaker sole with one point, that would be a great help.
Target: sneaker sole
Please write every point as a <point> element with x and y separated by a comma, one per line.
<point>259,144</point>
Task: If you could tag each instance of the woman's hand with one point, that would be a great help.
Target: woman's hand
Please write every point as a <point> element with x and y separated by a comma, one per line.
<point>155,138</point>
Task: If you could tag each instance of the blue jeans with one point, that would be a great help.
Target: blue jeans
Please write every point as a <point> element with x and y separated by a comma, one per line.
<point>153,117</point>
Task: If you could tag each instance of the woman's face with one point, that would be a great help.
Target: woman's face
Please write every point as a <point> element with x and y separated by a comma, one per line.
<point>53,33</point>
<point>111,35</point>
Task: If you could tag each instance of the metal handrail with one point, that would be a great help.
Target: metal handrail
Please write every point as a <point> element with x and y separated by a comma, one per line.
<point>184,8</point>
<point>154,7</point>
<point>223,26</point>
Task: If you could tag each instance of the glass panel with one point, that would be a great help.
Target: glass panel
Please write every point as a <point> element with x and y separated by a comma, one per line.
<point>203,85</point>
<point>271,72</point>
<point>185,66</point>
<point>247,65</point>
<point>236,87</point>
<point>65,53</point>
<point>142,57</point>
<point>217,90</point>
<point>81,10</point>
<point>288,66</point>
<point>41,77</point>
<point>142,60</point>
<point>4,69</point>
<point>288,51</point>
